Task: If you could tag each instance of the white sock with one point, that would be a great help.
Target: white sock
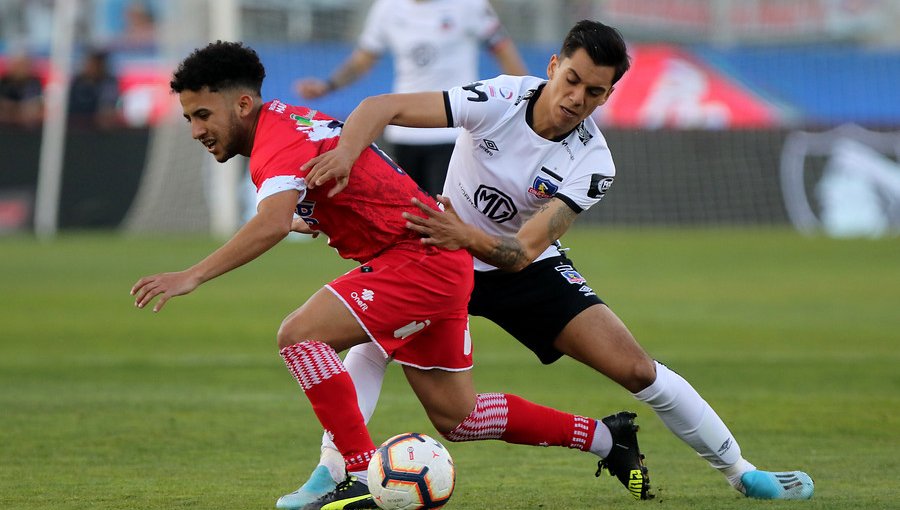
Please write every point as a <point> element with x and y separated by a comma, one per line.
<point>366,365</point>
<point>692,419</point>
<point>362,476</point>
<point>334,461</point>
<point>735,472</point>
<point>602,442</point>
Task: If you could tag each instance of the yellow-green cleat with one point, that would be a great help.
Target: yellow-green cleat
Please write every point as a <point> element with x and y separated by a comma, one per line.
<point>351,494</point>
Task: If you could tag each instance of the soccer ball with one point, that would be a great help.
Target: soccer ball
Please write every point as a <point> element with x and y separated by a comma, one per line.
<point>411,471</point>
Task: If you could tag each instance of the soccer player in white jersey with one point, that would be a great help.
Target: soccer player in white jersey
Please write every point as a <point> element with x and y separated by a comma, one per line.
<point>530,160</point>
<point>434,45</point>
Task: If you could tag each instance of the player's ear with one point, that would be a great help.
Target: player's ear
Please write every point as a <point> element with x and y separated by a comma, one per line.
<point>245,104</point>
<point>551,67</point>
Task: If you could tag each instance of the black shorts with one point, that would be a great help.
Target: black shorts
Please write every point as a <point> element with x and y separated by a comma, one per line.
<point>426,164</point>
<point>534,304</point>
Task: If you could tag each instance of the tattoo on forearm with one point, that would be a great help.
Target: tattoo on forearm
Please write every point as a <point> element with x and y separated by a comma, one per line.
<point>560,222</point>
<point>506,254</point>
<point>509,252</point>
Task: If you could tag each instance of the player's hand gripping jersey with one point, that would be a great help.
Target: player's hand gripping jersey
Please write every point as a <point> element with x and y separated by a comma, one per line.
<point>362,220</point>
<point>502,171</point>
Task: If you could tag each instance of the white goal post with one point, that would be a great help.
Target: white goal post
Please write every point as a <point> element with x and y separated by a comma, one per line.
<point>183,189</point>
<point>49,184</point>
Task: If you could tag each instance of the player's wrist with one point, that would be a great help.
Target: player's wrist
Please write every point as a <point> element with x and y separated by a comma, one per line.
<point>330,85</point>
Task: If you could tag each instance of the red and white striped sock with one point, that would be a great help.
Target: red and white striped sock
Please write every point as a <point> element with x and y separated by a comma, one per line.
<point>518,421</point>
<point>329,388</point>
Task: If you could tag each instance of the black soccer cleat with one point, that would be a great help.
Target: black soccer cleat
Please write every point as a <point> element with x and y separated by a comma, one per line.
<point>349,494</point>
<point>625,460</point>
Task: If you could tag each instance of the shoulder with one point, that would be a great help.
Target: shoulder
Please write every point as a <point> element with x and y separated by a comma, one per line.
<point>503,88</point>
<point>486,103</point>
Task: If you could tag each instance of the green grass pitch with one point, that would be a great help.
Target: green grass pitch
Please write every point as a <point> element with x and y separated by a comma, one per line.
<point>795,341</point>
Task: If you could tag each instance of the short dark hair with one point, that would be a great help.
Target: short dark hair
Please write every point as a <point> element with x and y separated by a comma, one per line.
<point>220,66</point>
<point>603,43</point>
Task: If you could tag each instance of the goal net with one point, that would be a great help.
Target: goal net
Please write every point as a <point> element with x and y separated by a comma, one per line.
<point>177,192</point>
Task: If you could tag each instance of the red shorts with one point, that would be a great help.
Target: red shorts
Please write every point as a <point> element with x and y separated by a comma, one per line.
<point>413,304</point>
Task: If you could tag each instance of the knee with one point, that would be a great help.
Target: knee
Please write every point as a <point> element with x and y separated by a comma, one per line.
<point>287,335</point>
<point>642,374</point>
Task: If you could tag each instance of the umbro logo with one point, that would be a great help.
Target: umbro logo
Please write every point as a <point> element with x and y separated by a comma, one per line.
<point>587,291</point>
<point>489,147</point>
<point>725,446</point>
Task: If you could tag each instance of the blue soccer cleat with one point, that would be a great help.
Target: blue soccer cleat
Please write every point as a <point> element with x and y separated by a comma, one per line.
<point>785,485</point>
<point>319,484</point>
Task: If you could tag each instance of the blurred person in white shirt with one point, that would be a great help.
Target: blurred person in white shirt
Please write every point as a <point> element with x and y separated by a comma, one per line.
<point>435,46</point>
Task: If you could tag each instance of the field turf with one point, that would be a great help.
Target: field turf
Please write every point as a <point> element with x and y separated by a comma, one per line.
<point>795,341</point>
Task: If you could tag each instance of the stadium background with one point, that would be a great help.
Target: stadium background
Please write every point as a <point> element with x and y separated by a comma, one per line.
<point>704,129</point>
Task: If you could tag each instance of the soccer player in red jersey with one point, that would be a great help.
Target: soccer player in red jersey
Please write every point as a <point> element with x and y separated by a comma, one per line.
<point>408,298</point>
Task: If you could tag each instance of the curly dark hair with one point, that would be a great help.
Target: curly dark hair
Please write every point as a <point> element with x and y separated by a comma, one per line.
<point>220,66</point>
<point>603,43</point>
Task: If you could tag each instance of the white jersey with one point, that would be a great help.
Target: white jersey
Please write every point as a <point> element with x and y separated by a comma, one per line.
<point>502,172</point>
<point>435,46</point>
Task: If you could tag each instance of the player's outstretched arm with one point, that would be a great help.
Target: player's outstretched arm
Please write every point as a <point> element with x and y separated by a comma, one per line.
<point>357,64</point>
<point>365,124</point>
<point>271,224</point>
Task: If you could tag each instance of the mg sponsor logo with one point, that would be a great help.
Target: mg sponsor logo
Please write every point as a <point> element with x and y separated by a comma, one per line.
<point>494,204</point>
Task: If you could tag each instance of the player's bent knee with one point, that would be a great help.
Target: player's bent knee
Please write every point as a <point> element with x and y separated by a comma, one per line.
<point>287,335</point>
<point>643,375</point>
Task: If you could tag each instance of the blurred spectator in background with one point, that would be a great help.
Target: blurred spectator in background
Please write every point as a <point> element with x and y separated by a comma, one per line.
<point>27,23</point>
<point>21,93</point>
<point>94,93</point>
<point>139,32</point>
<point>435,46</point>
